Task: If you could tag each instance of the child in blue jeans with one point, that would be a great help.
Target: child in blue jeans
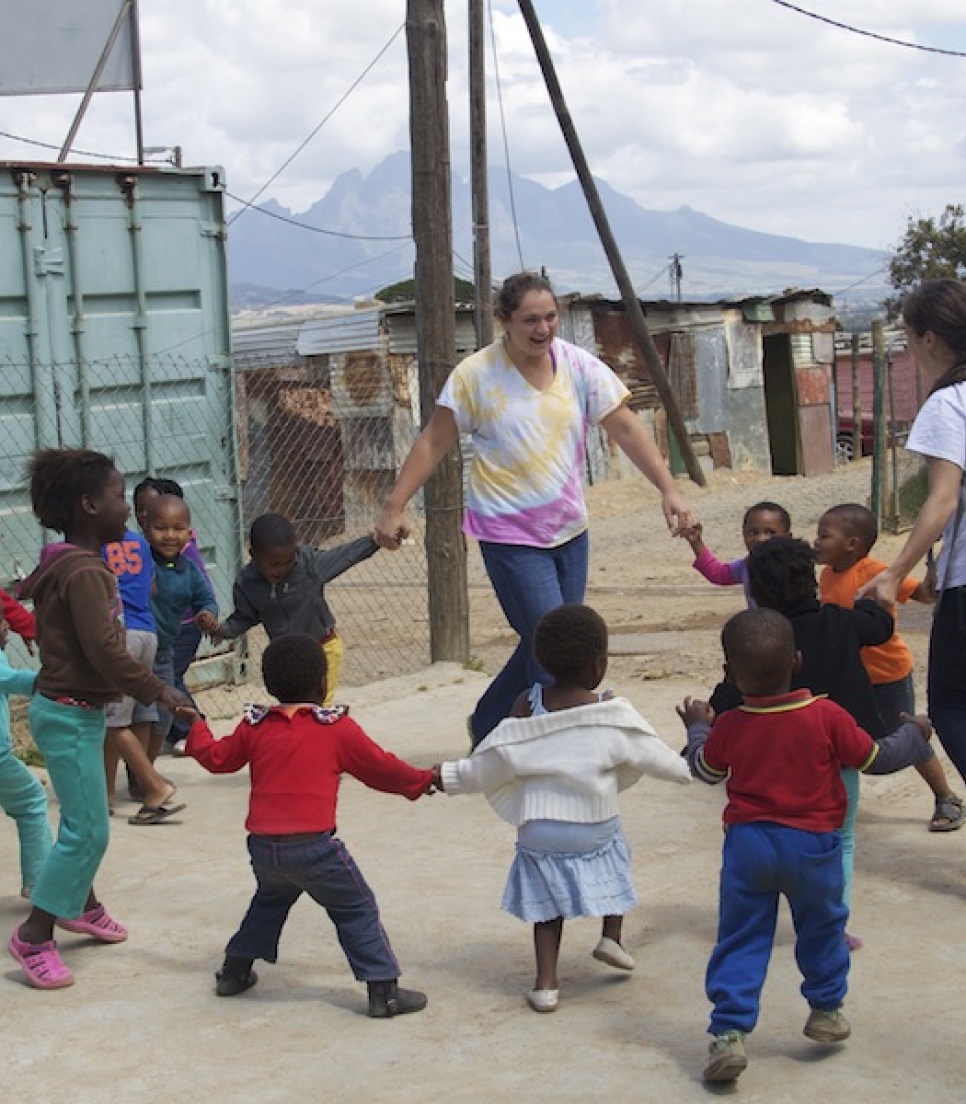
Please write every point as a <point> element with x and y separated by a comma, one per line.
<point>22,797</point>
<point>780,754</point>
<point>297,752</point>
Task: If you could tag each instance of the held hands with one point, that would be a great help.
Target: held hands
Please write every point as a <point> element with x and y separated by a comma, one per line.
<point>178,705</point>
<point>677,512</point>
<point>693,534</point>
<point>694,712</point>
<point>882,589</point>
<point>920,719</point>
<point>208,623</point>
<point>437,782</point>
<point>392,528</point>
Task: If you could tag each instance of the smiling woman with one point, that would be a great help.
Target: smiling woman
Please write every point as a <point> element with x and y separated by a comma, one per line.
<point>526,401</point>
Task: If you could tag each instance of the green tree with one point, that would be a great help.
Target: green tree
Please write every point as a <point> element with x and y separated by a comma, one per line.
<point>929,249</point>
<point>405,292</point>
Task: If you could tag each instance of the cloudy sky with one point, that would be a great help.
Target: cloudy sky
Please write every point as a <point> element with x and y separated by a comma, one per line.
<point>743,109</point>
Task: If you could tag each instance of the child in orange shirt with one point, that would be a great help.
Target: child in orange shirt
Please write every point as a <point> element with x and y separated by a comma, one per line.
<point>845,537</point>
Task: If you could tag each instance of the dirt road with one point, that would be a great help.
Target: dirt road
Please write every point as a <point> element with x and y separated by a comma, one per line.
<point>142,1022</point>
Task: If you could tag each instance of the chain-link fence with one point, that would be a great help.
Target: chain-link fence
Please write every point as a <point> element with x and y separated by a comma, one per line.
<point>318,442</point>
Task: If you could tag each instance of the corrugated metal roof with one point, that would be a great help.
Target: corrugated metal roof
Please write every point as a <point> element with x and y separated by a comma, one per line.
<point>353,332</point>
<point>274,343</point>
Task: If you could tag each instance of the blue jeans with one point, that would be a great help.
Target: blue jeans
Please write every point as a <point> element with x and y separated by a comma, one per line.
<point>183,651</point>
<point>893,698</point>
<point>761,862</point>
<point>947,675</point>
<point>528,583</point>
<point>320,866</point>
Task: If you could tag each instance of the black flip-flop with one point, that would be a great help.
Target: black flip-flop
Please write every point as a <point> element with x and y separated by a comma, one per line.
<point>154,814</point>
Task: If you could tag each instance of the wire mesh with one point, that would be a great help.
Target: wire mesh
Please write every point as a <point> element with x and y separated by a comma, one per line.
<point>316,441</point>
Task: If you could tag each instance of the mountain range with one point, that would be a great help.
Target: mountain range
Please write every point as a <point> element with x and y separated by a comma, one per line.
<point>358,240</point>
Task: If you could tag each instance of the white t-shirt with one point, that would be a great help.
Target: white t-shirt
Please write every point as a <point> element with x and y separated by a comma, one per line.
<point>526,481</point>
<point>939,431</point>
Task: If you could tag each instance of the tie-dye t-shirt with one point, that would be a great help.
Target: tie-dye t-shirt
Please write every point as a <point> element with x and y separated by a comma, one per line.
<point>526,481</point>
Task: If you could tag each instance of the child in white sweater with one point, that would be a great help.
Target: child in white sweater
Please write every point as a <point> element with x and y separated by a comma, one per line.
<point>554,769</point>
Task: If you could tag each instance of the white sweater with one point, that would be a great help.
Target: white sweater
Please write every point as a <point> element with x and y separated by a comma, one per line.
<point>568,765</point>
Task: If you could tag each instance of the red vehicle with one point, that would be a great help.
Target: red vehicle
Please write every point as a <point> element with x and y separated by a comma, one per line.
<point>903,385</point>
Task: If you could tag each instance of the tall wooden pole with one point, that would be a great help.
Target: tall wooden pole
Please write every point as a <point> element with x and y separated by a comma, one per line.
<point>631,303</point>
<point>482,276</point>
<point>436,320</point>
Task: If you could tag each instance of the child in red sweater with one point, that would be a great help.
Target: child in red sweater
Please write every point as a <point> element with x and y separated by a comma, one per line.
<point>297,751</point>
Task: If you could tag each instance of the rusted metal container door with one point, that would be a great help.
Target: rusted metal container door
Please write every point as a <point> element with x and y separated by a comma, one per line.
<point>815,425</point>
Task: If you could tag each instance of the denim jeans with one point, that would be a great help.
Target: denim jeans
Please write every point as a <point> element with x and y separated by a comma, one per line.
<point>320,866</point>
<point>183,651</point>
<point>947,675</point>
<point>528,583</point>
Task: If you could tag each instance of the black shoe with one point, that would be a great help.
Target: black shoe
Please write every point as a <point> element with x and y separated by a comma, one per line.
<point>386,999</point>
<point>235,976</point>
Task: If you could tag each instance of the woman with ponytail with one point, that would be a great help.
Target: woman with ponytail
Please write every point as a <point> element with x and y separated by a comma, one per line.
<point>934,318</point>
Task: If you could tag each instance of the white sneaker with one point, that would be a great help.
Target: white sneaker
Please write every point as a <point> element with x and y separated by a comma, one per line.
<point>611,952</point>
<point>179,749</point>
<point>543,1000</point>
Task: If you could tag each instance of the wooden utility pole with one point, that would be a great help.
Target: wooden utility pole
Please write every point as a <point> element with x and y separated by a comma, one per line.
<point>482,276</point>
<point>634,312</point>
<point>436,320</point>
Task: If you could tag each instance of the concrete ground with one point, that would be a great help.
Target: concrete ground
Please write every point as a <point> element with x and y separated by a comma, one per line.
<point>143,1023</point>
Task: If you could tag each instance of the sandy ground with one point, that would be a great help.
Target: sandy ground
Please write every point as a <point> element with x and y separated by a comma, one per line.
<point>143,1021</point>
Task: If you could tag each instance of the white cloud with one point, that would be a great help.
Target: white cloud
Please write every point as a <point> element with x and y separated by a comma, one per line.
<point>743,109</point>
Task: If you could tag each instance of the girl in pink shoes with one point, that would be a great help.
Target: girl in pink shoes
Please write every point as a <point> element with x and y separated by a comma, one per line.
<point>83,665</point>
<point>554,770</point>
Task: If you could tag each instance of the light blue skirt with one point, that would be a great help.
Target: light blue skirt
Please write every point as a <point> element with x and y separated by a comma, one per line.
<point>569,870</point>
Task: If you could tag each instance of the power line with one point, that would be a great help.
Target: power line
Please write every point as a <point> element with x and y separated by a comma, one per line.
<point>83,153</point>
<point>317,229</point>
<point>352,87</point>
<point>506,144</point>
<point>868,34</point>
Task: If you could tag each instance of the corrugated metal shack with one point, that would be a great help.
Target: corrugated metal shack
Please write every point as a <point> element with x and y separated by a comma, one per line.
<point>328,407</point>
<point>754,376</point>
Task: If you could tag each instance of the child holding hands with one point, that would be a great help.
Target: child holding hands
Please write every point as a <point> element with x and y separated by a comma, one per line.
<point>554,769</point>
<point>845,537</point>
<point>84,664</point>
<point>22,797</point>
<point>282,588</point>
<point>761,522</point>
<point>296,752</point>
<point>780,755</point>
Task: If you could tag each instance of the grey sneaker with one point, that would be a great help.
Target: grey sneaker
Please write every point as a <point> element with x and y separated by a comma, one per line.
<point>827,1025</point>
<point>726,1057</point>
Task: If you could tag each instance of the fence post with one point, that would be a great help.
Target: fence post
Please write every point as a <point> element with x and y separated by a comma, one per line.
<point>878,419</point>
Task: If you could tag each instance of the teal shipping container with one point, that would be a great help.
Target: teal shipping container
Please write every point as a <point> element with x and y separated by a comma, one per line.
<point>114,335</point>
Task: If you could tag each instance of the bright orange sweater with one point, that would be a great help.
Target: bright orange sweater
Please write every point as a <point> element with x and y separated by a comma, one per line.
<point>887,662</point>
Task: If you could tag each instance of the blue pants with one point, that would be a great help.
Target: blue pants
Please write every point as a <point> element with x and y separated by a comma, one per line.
<point>23,799</point>
<point>71,740</point>
<point>528,582</point>
<point>321,867</point>
<point>183,652</point>
<point>761,862</point>
<point>947,686</point>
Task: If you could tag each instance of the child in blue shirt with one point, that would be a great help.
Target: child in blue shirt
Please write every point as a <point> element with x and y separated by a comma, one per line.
<point>128,721</point>
<point>179,586</point>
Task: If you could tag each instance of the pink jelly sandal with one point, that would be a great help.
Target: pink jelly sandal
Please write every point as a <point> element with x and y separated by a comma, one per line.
<point>40,963</point>
<point>97,923</point>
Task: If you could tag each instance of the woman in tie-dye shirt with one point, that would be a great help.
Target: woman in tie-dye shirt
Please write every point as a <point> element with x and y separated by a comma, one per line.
<point>527,401</point>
